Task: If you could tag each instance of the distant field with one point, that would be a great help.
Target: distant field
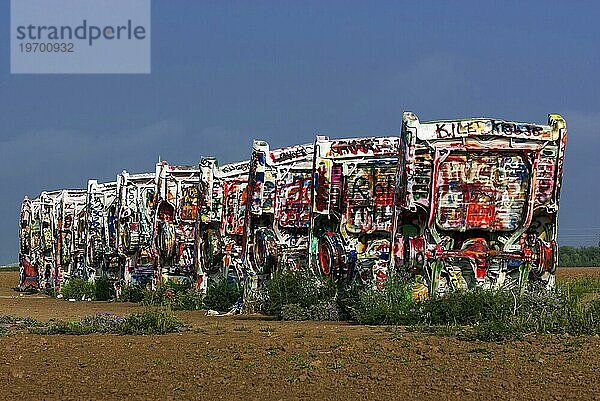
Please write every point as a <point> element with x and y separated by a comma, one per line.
<point>568,273</point>
<point>9,268</point>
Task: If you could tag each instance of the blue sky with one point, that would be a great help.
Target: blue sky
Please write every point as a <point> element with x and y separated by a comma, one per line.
<point>224,72</point>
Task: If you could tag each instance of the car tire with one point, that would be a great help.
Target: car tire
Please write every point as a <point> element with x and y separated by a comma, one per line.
<point>331,257</point>
<point>265,251</point>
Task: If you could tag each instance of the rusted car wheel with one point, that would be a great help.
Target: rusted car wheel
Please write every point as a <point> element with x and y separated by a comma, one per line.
<point>331,257</point>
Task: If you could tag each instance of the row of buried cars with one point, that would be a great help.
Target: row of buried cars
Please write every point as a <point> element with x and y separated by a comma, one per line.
<point>451,204</point>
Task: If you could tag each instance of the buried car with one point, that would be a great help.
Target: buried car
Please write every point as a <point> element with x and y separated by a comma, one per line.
<point>70,236</point>
<point>352,209</point>
<point>46,249</point>
<point>29,239</point>
<point>174,233</point>
<point>278,217</point>
<point>102,258</point>
<point>135,223</point>
<point>477,202</point>
<point>223,194</point>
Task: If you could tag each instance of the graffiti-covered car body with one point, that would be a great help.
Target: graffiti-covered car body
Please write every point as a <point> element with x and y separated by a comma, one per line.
<point>46,251</point>
<point>29,240</point>
<point>70,234</point>
<point>223,194</point>
<point>477,202</point>
<point>102,258</point>
<point>135,224</point>
<point>174,232</point>
<point>352,208</point>
<point>278,216</point>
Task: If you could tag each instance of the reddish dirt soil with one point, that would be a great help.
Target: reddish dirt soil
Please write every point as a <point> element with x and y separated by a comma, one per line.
<point>254,358</point>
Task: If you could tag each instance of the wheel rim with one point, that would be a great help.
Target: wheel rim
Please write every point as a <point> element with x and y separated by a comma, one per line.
<point>325,259</point>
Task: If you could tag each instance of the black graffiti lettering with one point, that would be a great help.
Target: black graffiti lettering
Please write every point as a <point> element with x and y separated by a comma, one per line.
<point>441,131</point>
<point>205,162</point>
<point>496,127</point>
<point>289,154</point>
<point>228,168</point>
<point>360,187</point>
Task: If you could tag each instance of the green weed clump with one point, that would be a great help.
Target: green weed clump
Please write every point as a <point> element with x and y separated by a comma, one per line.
<point>192,299</point>
<point>485,314</point>
<point>147,322</point>
<point>298,295</point>
<point>78,289</point>
<point>221,295</point>
<point>99,289</point>
<point>132,293</point>
<point>392,306</point>
<point>324,311</point>
<point>578,287</point>
<point>104,289</point>
<point>174,296</point>
<point>50,291</point>
<point>150,322</point>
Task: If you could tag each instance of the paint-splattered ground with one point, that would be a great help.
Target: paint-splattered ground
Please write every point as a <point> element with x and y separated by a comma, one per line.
<point>252,358</point>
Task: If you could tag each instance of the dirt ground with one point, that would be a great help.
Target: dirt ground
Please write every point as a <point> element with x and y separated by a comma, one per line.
<point>577,272</point>
<point>255,358</point>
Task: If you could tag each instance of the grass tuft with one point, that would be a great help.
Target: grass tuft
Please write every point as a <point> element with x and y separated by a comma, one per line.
<point>221,295</point>
<point>486,315</point>
<point>147,322</point>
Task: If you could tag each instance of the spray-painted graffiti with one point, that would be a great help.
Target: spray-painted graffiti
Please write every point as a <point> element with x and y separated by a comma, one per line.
<point>362,147</point>
<point>223,197</point>
<point>457,204</point>
<point>371,198</point>
<point>48,251</point>
<point>101,236</point>
<point>174,234</point>
<point>70,246</point>
<point>353,204</point>
<point>482,192</point>
<point>234,207</point>
<point>188,207</point>
<point>492,215</point>
<point>276,224</point>
<point>293,199</point>
<point>484,127</point>
<point>28,267</point>
<point>136,201</point>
